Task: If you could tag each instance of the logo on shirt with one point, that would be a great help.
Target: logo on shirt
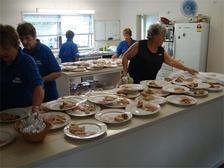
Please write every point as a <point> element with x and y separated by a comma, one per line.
<point>38,62</point>
<point>160,54</point>
<point>17,80</point>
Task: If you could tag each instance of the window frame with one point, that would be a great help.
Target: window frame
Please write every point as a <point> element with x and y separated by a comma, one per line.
<point>60,34</point>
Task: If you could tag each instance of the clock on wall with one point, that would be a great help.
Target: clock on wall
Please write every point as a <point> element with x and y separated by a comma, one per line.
<point>189,8</point>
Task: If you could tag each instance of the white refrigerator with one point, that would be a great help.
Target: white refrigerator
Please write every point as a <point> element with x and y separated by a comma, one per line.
<point>191,44</point>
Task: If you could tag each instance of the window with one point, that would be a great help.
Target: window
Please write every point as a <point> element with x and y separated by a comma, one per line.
<point>51,28</point>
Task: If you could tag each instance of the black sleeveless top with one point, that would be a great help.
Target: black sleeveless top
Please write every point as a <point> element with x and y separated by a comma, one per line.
<point>145,65</point>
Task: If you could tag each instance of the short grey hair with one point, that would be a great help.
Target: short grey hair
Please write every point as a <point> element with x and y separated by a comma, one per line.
<point>155,29</point>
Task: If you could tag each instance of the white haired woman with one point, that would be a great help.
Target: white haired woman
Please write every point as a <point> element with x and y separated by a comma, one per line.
<point>147,56</point>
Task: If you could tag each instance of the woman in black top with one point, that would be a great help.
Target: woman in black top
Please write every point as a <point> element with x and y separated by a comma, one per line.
<point>147,56</point>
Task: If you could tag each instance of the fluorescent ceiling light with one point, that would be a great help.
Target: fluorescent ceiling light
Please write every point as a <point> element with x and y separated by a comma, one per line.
<point>64,11</point>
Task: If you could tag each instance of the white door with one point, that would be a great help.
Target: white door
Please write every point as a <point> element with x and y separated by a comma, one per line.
<point>188,44</point>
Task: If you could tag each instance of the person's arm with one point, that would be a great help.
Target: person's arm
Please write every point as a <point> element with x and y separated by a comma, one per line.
<point>52,67</point>
<point>75,52</point>
<point>174,63</point>
<point>51,76</point>
<point>38,97</point>
<point>131,52</point>
<point>118,52</point>
<point>34,81</point>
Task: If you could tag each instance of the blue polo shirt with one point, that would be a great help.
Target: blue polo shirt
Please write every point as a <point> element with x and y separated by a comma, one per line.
<point>47,64</point>
<point>17,81</point>
<point>123,46</point>
<point>68,51</point>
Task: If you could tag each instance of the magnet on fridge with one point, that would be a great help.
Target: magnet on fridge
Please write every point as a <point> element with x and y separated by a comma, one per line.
<point>199,28</point>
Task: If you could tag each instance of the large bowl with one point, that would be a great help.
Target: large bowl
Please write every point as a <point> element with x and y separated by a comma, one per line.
<point>33,137</point>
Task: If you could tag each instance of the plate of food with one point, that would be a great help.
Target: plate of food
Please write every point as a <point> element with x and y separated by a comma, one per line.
<point>168,79</point>
<point>121,102</point>
<point>195,85</point>
<point>154,83</point>
<point>155,99</point>
<point>158,92</point>
<point>127,94</point>
<point>113,116</point>
<point>78,99</point>
<point>215,87</point>
<point>185,80</point>
<point>67,63</point>
<point>84,109</point>
<point>197,93</point>
<point>132,87</point>
<point>7,135</point>
<point>56,119</point>
<point>93,68</point>
<point>103,99</point>
<point>12,115</point>
<point>81,63</point>
<point>177,89</point>
<point>61,104</point>
<point>181,100</point>
<point>142,108</point>
<point>85,130</point>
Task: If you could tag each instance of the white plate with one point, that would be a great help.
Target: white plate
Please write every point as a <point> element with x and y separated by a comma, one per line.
<point>7,135</point>
<point>156,99</point>
<point>94,93</point>
<point>200,86</point>
<point>67,63</point>
<point>98,99</point>
<point>171,89</point>
<point>129,94</point>
<point>21,112</point>
<point>175,99</point>
<point>78,99</point>
<point>191,93</point>
<point>107,115</point>
<point>56,126</point>
<point>132,87</point>
<point>97,127</point>
<point>160,92</point>
<point>219,89</point>
<point>141,112</point>
<point>185,83</point>
<point>78,113</point>
<point>159,83</point>
<point>55,104</point>
<point>117,105</point>
<point>81,63</point>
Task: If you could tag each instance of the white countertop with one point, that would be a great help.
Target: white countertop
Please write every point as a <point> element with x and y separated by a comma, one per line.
<point>21,153</point>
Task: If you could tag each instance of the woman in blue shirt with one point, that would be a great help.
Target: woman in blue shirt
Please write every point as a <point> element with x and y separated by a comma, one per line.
<point>125,44</point>
<point>69,50</point>
<point>20,81</point>
<point>45,60</point>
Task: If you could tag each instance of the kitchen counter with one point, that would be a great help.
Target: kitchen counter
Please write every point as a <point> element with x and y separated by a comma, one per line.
<point>177,136</point>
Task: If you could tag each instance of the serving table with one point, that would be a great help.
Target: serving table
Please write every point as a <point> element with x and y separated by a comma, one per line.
<point>175,137</point>
<point>110,75</point>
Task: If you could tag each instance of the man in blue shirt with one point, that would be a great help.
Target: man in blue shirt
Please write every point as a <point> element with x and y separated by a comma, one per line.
<point>20,81</point>
<point>125,44</point>
<point>69,50</point>
<point>45,60</point>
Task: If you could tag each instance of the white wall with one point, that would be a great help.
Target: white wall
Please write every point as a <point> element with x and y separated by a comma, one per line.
<point>126,11</point>
<point>104,9</point>
<point>0,11</point>
<point>171,9</point>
